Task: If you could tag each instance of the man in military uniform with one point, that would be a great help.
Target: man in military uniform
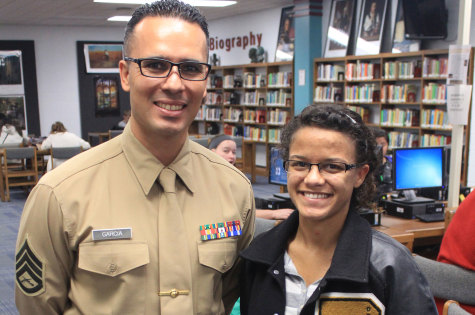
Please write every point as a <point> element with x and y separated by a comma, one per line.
<point>148,222</point>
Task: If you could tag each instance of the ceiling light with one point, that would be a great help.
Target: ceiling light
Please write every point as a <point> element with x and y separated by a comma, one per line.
<point>196,3</point>
<point>119,18</point>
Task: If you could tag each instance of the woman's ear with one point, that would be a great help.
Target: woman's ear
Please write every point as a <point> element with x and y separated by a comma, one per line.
<point>361,173</point>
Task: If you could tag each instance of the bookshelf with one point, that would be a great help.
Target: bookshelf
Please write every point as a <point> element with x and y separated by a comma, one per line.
<point>404,93</point>
<point>252,101</point>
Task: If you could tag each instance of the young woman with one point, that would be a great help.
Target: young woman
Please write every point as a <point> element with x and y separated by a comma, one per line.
<point>325,258</point>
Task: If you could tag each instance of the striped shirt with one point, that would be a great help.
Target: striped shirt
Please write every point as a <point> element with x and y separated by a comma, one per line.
<point>296,291</point>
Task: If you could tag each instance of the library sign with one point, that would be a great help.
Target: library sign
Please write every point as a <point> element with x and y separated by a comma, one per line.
<point>229,43</point>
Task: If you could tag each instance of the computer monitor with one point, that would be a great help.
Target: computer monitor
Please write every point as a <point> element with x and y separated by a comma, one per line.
<point>277,174</point>
<point>417,168</point>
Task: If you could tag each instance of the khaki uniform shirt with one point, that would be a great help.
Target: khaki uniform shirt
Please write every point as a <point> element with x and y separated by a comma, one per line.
<point>113,186</point>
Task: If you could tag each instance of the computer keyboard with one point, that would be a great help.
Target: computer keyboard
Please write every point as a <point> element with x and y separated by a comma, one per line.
<point>431,217</point>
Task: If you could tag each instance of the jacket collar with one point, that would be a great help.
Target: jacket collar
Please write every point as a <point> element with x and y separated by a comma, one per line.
<point>147,167</point>
<point>350,260</point>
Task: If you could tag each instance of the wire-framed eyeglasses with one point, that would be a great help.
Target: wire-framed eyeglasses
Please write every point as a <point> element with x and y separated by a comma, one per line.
<point>325,168</point>
<point>161,68</point>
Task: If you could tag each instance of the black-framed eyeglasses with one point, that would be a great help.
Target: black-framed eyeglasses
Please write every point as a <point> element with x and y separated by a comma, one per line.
<point>161,68</point>
<point>325,168</point>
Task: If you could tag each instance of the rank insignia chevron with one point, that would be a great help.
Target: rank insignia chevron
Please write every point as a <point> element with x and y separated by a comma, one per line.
<point>30,273</point>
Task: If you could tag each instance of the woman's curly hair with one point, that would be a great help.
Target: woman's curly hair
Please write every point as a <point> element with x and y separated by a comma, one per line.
<point>348,122</point>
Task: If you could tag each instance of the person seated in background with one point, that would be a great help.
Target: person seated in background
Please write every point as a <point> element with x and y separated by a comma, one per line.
<point>59,137</point>
<point>10,133</point>
<point>121,124</point>
<point>225,147</point>
<point>384,180</point>
<point>325,258</point>
<point>457,247</point>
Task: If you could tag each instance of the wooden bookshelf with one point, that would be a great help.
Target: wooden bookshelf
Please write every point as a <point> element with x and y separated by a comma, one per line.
<point>253,101</point>
<point>404,93</point>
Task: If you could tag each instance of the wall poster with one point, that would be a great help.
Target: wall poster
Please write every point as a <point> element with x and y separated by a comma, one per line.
<point>102,58</point>
<point>106,95</point>
<point>286,38</point>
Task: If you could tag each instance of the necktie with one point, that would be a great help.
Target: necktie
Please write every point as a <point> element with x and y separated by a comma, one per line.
<point>174,260</point>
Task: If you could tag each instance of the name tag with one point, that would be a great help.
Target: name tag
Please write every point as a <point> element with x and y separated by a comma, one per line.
<point>111,234</point>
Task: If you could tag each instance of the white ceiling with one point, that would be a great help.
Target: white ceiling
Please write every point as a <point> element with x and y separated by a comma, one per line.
<point>89,13</point>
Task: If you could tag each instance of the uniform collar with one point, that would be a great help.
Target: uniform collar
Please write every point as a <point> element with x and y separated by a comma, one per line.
<point>147,167</point>
<point>350,260</point>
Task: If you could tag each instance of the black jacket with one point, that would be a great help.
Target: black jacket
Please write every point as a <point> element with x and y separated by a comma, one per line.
<point>368,269</point>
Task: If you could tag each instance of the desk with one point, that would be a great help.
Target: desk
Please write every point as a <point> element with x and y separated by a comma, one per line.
<point>425,233</point>
<point>101,136</point>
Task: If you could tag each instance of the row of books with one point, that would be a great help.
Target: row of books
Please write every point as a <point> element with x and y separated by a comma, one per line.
<point>434,93</point>
<point>429,140</point>
<point>279,79</point>
<point>214,98</point>
<point>399,117</point>
<point>274,135</point>
<point>435,67</point>
<point>228,81</point>
<point>278,98</point>
<point>277,116</point>
<point>328,94</point>
<point>392,93</point>
<point>255,116</point>
<point>362,111</point>
<point>254,133</point>
<point>402,69</point>
<point>232,130</point>
<point>435,118</point>
<point>254,98</point>
<point>232,114</point>
<point>209,113</point>
<point>366,93</point>
<point>254,80</point>
<point>362,71</point>
<point>330,72</point>
<point>402,139</point>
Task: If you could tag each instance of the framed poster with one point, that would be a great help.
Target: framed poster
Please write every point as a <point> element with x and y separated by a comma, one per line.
<point>11,77</point>
<point>12,108</point>
<point>339,28</point>
<point>400,43</point>
<point>286,38</point>
<point>102,58</point>
<point>106,91</point>
<point>373,13</point>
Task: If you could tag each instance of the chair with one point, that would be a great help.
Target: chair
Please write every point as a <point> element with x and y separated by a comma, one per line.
<point>263,225</point>
<point>448,282</point>
<point>64,153</point>
<point>114,133</point>
<point>24,173</point>
<point>452,307</point>
<point>405,239</point>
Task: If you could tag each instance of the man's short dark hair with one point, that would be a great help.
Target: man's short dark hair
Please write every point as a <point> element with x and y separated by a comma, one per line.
<point>165,8</point>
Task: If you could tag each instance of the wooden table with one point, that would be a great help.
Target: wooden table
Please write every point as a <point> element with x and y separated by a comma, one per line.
<point>424,233</point>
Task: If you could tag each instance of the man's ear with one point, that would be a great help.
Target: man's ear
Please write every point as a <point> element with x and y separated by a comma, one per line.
<point>124,75</point>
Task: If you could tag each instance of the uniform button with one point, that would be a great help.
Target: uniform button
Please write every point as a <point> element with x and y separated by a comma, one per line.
<point>112,268</point>
<point>276,272</point>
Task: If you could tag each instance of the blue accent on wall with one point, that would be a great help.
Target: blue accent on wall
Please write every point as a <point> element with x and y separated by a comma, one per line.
<point>308,45</point>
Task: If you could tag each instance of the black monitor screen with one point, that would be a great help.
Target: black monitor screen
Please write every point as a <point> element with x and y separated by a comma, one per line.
<point>425,19</point>
<point>277,174</point>
<point>415,168</point>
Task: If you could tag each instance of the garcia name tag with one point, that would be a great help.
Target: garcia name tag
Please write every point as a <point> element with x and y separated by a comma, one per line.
<point>111,234</point>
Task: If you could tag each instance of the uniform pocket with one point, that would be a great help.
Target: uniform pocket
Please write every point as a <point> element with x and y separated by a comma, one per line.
<point>112,258</point>
<point>219,254</point>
